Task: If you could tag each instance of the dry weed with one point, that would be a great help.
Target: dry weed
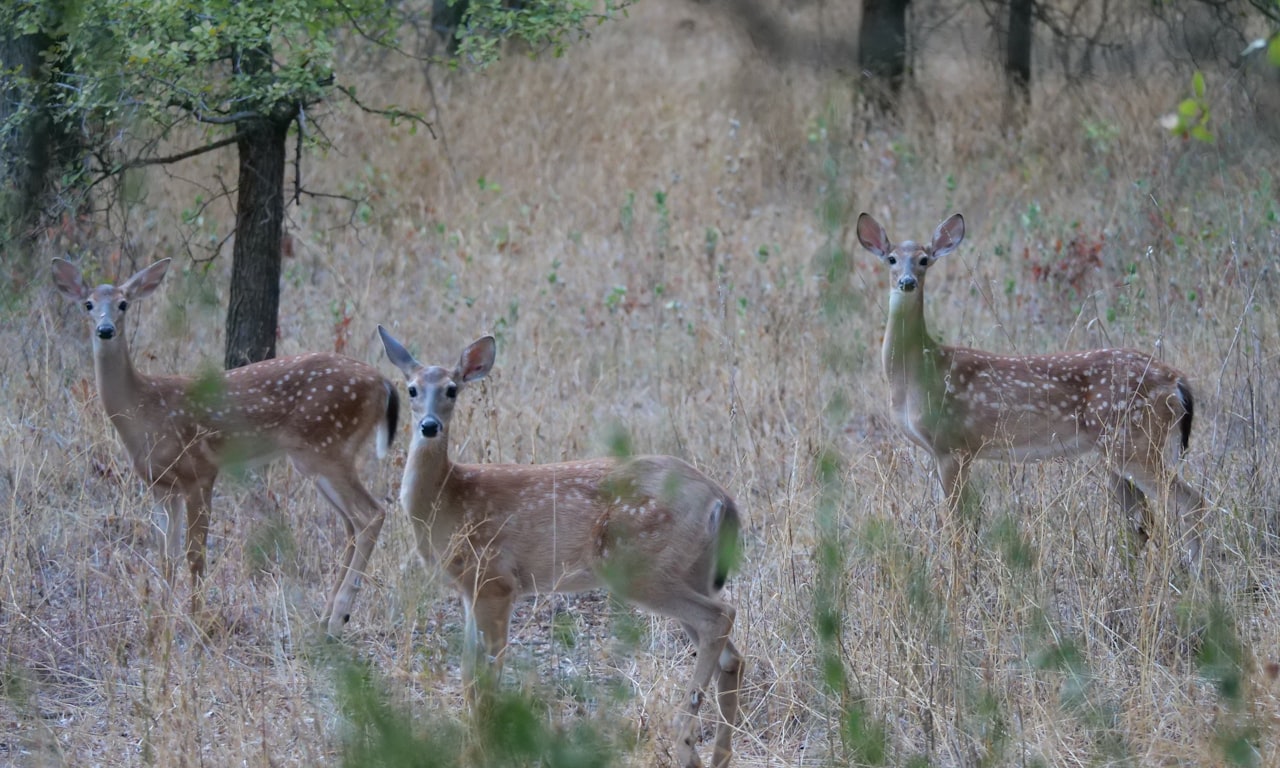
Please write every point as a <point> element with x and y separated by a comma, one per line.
<point>641,225</point>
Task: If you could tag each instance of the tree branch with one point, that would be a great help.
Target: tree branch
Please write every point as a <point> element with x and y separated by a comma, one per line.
<point>297,154</point>
<point>381,41</point>
<point>224,120</point>
<point>392,114</point>
<point>167,159</point>
<point>111,170</point>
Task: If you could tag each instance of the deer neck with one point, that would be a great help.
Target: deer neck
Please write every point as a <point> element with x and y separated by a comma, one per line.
<point>119,384</point>
<point>910,354</point>
<point>426,474</point>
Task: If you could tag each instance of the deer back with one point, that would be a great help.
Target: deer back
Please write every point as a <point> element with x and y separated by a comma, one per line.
<point>664,521</point>
<point>1040,406</point>
<point>318,408</point>
<point>317,404</point>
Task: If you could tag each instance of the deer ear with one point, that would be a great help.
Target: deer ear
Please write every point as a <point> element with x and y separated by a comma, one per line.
<point>947,237</point>
<point>872,236</point>
<point>68,280</point>
<point>397,354</point>
<point>477,360</point>
<point>146,281</point>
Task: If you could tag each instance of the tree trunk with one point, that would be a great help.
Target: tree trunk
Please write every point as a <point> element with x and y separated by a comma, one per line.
<point>882,50</point>
<point>1017,61</point>
<point>445,18</point>
<point>252,317</point>
<point>27,153</point>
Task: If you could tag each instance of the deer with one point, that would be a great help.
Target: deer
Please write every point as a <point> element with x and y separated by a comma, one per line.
<point>179,431</point>
<point>964,404</point>
<point>654,530</point>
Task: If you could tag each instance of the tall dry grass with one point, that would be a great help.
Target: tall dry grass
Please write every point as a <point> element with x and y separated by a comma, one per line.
<point>655,228</point>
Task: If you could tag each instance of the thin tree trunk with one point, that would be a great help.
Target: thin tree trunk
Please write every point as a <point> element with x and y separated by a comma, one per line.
<point>882,50</point>
<point>1017,62</point>
<point>27,153</point>
<point>252,317</point>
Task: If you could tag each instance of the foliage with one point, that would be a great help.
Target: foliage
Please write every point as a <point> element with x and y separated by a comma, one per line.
<point>1192,118</point>
<point>135,77</point>
<point>513,732</point>
<point>131,72</point>
<point>378,734</point>
<point>542,24</point>
<point>139,69</point>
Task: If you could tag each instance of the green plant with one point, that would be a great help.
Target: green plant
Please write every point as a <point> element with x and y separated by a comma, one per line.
<point>1100,134</point>
<point>614,298</point>
<point>1191,120</point>
<point>662,232</point>
<point>627,215</point>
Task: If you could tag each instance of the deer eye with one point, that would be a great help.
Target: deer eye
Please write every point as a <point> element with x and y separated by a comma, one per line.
<point>123,305</point>
<point>413,391</point>
<point>924,261</point>
<point>451,391</point>
<point>891,260</point>
<point>88,305</point>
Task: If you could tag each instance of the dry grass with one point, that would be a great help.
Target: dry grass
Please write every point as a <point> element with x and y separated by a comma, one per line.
<point>728,325</point>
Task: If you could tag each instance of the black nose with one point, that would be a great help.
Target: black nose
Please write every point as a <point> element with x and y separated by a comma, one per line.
<point>907,284</point>
<point>106,331</point>
<point>430,427</point>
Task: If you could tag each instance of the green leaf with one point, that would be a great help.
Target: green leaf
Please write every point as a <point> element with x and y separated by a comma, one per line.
<point>1189,108</point>
<point>1273,51</point>
<point>1200,133</point>
<point>1197,84</point>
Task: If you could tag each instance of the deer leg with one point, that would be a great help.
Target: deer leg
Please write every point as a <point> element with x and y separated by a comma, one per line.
<point>730,663</point>
<point>362,516</point>
<point>708,621</point>
<point>961,522</point>
<point>330,615</point>
<point>1133,502</point>
<point>171,530</point>
<point>198,498</point>
<point>348,545</point>
<point>472,657</point>
<point>1178,499</point>
<point>1193,507</point>
<point>488,617</point>
<point>953,476</point>
<point>728,686</point>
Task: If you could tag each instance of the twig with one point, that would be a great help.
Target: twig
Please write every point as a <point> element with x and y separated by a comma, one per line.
<point>393,114</point>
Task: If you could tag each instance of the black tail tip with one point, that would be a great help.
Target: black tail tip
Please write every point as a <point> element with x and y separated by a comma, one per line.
<point>729,545</point>
<point>1189,406</point>
<point>393,412</point>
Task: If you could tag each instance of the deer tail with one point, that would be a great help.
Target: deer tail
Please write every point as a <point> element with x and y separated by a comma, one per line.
<point>1189,410</point>
<point>387,429</point>
<point>728,527</point>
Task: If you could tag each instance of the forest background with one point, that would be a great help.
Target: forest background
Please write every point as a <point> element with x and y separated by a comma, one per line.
<point>656,226</point>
